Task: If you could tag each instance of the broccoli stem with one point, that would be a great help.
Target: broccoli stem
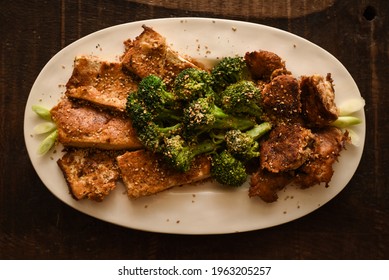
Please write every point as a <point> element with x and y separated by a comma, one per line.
<point>165,114</point>
<point>167,131</point>
<point>168,97</point>
<point>259,130</point>
<point>255,110</point>
<point>204,148</point>
<point>180,155</point>
<point>231,122</point>
<point>227,121</point>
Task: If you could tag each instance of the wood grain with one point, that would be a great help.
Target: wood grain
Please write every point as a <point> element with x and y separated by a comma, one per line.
<point>36,225</point>
<point>263,9</point>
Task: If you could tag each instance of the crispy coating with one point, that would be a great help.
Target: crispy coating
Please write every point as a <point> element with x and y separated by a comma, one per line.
<point>318,100</point>
<point>266,185</point>
<point>262,64</point>
<point>316,168</point>
<point>326,150</point>
<point>287,148</point>
<point>281,99</point>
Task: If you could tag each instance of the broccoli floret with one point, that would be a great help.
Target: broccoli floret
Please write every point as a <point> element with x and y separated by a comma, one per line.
<point>202,115</point>
<point>152,136</point>
<point>242,97</point>
<point>152,90</point>
<point>153,94</point>
<point>180,155</point>
<point>150,130</point>
<point>229,71</point>
<point>243,145</point>
<point>228,170</point>
<point>191,84</point>
<point>138,113</point>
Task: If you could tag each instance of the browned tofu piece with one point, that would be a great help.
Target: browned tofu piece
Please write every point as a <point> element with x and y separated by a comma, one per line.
<point>100,82</point>
<point>85,126</point>
<point>144,174</point>
<point>89,174</point>
<point>150,54</point>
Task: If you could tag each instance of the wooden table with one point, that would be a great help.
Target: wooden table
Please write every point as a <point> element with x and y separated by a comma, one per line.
<point>36,225</point>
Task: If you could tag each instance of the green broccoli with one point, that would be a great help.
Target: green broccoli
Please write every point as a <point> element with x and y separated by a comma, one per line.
<point>153,94</point>
<point>180,155</point>
<point>229,71</point>
<point>243,145</point>
<point>138,113</point>
<point>242,97</point>
<point>150,130</point>
<point>152,90</point>
<point>191,84</point>
<point>202,115</point>
<point>228,170</point>
<point>152,136</point>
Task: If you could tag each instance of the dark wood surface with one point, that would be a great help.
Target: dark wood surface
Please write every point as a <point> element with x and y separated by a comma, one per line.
<point>36,225</point>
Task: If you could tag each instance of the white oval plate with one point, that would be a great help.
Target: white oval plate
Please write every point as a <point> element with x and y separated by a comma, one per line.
<point>203,208</point>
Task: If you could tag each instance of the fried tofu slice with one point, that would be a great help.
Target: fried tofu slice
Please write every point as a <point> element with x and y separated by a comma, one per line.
<point>80,125</point>
<point>150,54</point>
<point>100,82</point>
<point>145,174</point>
<point>89,174</point>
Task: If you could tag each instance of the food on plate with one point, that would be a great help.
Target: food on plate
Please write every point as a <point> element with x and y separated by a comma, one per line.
<point>304,144</point>
<point>89,173</point>
<point>144,173</point>
<point>263,65</point>
<point>84,126</point>
<point>244,145</point>
<point>281,100</point>
<point>329,142</point>
<point>315,168</point>
<point>100,82</point>
<point>318,100</point>
<point>157,119</point>
<point>228,71</point>
<point>228,170</point>
<point>150,54</point>
<point>192,83</point>
<point>287,148</point>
